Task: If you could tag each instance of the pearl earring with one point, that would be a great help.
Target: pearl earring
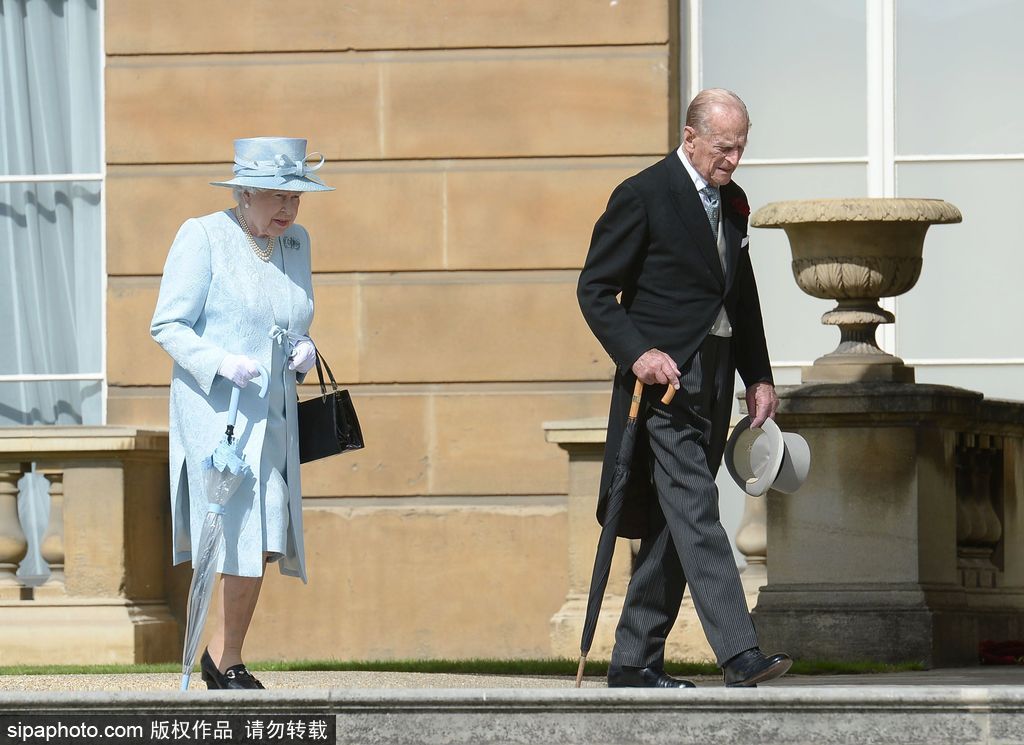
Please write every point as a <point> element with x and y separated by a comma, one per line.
<point>247,206</point>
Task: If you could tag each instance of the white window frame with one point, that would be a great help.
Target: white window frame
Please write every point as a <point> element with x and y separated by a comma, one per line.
<point>881,160</point>
<point>101,178</point>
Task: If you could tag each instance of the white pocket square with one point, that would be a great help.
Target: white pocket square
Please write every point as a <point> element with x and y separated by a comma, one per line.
<point>745,241</point>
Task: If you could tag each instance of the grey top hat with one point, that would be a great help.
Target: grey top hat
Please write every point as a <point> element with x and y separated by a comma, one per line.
<point>766,458</point>
<point>278,163</point>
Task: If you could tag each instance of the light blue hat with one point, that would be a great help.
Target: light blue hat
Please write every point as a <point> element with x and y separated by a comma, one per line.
<point>277,163</point>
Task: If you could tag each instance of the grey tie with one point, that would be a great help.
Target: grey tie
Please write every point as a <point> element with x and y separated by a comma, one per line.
<point>712,206</point>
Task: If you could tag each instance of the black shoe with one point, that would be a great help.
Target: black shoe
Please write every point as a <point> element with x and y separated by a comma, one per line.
<point>234,677</point>
<point>237,676</point>
<point>749,668</point>
<point>211,675</point>
<point>643,677</point>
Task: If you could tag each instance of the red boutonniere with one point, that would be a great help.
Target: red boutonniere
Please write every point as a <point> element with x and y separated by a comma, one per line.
<point>739,204</point>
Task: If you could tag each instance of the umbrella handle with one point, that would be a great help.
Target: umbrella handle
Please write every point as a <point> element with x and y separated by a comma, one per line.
<point>233,406</point>
<point>638,390</point>
<point>634,407</point>
<point>264,384</point>
<point>264,378</point>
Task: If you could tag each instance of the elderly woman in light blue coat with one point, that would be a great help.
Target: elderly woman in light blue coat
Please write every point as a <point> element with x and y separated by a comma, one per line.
<point>237,297</point>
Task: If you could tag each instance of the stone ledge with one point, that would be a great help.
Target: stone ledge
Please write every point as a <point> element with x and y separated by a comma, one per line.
<point>591,430</point>
<point>819,404</point>
<point>52,440</point>
<point>900,715</point>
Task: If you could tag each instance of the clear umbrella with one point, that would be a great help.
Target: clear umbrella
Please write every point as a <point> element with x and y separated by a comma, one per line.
<point>224,471</point>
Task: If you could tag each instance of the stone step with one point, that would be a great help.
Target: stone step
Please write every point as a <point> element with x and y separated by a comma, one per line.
<point>790,715</point>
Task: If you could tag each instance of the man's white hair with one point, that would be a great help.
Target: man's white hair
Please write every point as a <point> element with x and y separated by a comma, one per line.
<point>698,113</point>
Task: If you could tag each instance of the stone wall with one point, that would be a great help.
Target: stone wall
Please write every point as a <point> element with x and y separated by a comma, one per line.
<point>473,144</point>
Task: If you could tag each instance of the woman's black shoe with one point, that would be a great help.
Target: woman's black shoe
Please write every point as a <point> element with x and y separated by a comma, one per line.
<point>211,675</point>
<point>235,677</point>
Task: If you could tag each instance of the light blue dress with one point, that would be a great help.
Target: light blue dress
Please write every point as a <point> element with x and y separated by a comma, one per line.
<point>217,297</point>
<point>274,461</point>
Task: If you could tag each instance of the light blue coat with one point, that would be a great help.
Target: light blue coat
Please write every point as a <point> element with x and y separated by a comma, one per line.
<point>212,304</point>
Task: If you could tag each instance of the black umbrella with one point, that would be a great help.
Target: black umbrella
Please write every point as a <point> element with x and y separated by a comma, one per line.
<point>613,510</point>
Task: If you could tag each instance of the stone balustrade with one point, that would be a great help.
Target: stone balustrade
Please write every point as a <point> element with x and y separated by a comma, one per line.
<point>84,543</point>
<point>906,542</point>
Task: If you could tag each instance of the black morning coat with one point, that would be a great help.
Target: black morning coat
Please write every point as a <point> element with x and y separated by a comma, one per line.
<point>654,244</point>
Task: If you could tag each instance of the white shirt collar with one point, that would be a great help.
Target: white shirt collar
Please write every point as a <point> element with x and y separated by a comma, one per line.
<point>698,180</point>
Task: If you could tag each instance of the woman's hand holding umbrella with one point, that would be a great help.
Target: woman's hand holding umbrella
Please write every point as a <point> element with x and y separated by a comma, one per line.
<point>239,369</point>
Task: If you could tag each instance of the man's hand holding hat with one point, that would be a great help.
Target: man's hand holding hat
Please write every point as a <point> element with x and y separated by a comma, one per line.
<point>762,403</point>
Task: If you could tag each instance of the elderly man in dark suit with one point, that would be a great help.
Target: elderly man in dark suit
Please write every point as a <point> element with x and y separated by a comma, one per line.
<point>673,241</point>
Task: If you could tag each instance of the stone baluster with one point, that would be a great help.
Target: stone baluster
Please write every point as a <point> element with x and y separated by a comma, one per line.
<point>12,539</point>
<point>53,539</point>
<point>964,486</point>
<point>970,525</point>
<point>752,542</point>
<point>988,458</point>
<point>979,526</point>
<point>973,500</point>
<point>34,513</point>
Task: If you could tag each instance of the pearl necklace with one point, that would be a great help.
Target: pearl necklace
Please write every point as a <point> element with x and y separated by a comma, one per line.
<point>263,253</point>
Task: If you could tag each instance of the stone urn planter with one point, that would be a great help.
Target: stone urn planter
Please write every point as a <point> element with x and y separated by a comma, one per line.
<point>855,251</point>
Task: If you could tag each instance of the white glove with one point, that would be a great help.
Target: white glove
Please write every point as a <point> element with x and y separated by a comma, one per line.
<point>239,369</point>
<point>303,356</point>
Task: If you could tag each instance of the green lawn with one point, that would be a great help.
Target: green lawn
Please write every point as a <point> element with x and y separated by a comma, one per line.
<point>560,667</point>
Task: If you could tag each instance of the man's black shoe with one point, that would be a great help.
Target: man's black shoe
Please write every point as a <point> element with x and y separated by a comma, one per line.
<point>643,677</point>
<point>749,668</point>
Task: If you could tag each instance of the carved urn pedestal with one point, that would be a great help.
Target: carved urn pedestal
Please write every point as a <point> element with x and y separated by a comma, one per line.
<point>855,251</point>
<point>906,541</point>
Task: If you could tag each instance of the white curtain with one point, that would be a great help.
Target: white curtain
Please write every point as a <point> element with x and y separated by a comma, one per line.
<point>50,249</point>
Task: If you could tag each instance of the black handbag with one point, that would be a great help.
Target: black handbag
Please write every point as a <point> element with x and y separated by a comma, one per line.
<point>327,423</point>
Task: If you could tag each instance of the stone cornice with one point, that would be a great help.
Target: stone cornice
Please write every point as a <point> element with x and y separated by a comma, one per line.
<point>885,404</point>
<point>48,441</point>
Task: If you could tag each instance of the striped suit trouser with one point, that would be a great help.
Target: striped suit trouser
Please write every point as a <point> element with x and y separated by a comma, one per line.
<point>687,543</point>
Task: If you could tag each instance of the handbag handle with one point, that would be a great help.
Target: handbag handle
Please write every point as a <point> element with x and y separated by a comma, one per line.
<point>320,376</point>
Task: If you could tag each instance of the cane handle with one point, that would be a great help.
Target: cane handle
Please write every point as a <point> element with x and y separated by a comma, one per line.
<point>669,395</point>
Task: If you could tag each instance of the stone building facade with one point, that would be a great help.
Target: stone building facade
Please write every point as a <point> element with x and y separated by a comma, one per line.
<point>472,144</point>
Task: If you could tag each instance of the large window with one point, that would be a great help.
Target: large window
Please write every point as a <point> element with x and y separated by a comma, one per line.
<point>51,213</point>
<point>883,98</point>
<point>958,111</point>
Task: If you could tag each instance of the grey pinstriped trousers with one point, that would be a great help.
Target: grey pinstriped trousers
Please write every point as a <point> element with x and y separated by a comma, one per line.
<point>687,543</point>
